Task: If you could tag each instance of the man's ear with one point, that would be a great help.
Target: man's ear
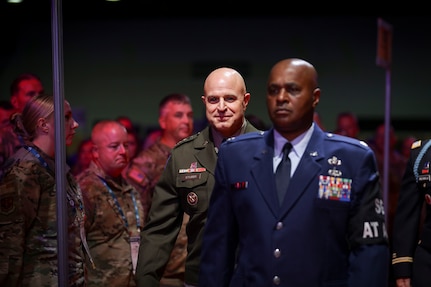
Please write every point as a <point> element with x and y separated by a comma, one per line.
<point>162,122</point>
<point>95,151</point>
<point>316,97</point>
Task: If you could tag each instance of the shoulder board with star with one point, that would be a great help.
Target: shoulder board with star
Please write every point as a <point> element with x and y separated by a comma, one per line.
<point>246,136</point>
<point>340,138</point>
<point>187,139</point>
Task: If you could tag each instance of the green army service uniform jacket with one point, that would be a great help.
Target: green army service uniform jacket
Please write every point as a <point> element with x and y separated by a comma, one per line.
<point>185,186</point>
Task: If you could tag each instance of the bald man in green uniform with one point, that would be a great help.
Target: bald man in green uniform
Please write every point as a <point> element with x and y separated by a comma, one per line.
<point>188,179</point>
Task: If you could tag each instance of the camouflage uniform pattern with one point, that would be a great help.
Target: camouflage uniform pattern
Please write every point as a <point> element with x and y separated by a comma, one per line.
<point>28,224</point>
<point>144,172</point>
<point>108,236</point>
<point>145,169</point>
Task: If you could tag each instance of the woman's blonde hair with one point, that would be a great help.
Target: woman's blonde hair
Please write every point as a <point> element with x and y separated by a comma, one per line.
<point>41,106</point>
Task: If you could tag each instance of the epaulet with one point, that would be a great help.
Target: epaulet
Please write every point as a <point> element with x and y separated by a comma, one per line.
<point>187,139</point>
<point>354,141</point>
<point>416,144</point>
<point>246,136</point>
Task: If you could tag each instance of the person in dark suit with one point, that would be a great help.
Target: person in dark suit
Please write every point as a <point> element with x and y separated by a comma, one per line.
<point>188,179</point>
<point>328,229</point>
<point>411,237</point>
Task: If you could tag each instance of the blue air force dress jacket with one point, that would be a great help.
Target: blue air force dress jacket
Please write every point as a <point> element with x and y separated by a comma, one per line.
<point>328,231</point>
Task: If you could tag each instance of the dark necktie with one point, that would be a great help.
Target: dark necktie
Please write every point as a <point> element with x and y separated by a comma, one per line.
<point>282,174</point>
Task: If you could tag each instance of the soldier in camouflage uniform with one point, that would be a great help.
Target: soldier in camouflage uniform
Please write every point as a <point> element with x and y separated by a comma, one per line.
<point>176,123</point>
<point>113,208</point>
<point>23,88</point>
<point>28,204</point>
<point>188,178</point>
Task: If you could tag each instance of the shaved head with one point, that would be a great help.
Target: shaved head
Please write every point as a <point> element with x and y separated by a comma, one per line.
<point>110,151</point>
<point>225,76</point>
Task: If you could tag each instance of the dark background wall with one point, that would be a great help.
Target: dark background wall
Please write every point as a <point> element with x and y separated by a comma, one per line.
<point>121,62</point>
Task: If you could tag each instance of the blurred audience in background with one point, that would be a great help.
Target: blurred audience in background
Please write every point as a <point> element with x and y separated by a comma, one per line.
<point>126,122</point>
<point>23,88</point>
<point>152,137</point>
<point>83,157</point>
<point>347,125</point>
<point>133,136</point>
<point>318,120</point>
<point>134,143</point>
<point>406,146</point>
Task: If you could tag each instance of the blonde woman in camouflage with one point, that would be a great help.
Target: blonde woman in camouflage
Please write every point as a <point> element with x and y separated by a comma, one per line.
<point>28,210</point>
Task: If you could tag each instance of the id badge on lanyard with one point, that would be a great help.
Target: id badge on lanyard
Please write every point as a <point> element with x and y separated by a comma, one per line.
<point>134,250</point>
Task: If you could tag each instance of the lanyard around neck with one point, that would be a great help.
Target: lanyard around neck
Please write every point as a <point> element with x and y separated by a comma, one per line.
<point>120,210</point>
<point>38,156</point>
<point>69,198</point>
